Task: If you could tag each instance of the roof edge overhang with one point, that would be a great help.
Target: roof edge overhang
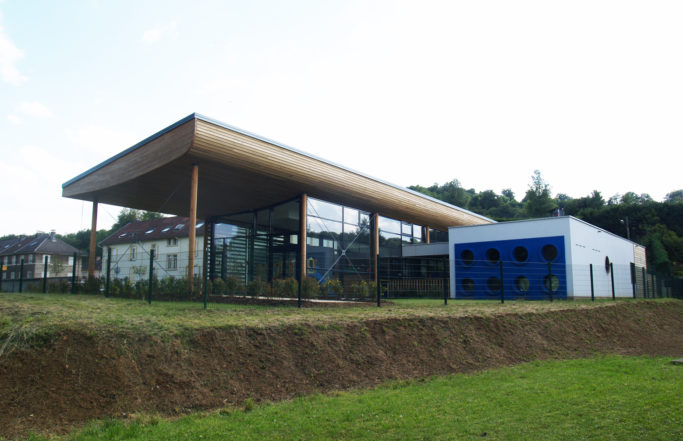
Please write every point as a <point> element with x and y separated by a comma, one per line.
<point>184,136</point>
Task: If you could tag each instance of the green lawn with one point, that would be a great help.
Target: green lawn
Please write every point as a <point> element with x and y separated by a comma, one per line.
<point>31,313</point>
<point>605,398</point>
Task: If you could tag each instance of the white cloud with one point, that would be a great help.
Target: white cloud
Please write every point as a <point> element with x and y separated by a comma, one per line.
<point>14,119</point>
<point>9,57</point>
<point>103,141</point>
<point>34,108</point>
<point>158,32</point>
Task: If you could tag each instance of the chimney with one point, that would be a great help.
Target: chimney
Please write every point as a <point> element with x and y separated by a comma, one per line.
<point>53,237</point>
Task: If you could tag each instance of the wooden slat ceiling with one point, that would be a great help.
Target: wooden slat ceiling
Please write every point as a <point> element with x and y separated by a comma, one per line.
<point>239,171</point>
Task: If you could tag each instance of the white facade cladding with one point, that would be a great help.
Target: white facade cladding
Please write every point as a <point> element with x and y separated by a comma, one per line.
<point>523,252</point>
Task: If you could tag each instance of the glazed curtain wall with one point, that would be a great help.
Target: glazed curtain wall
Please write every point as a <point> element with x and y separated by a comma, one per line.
<point>259,245</point>
<point>338,242</point>
<point>264,244</point>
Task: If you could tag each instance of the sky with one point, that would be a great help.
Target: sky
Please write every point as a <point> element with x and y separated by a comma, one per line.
<point>419,92</point>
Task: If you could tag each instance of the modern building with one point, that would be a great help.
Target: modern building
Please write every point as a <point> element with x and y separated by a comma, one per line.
<point>533,259</point>
<point>270,211</point>
<point>168,237</point>
<point>29,254</point>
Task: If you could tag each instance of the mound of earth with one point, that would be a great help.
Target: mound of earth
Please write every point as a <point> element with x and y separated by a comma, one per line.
<point>76,376</point>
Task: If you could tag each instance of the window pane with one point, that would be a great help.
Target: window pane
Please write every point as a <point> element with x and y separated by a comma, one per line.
<point>350,216</point>
<point>407,228</point>
<point>286,217</point>
<point>324,209</point>
<point>364,218</point>
<point>389,225</point>
<point>417,233</point>
<point>318,225</point>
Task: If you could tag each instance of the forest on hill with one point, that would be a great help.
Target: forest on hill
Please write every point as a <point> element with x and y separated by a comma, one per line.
<point>656,225</point>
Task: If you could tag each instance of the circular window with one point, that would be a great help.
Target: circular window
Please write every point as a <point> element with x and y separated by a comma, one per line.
<point>493,284</point>
<point>467,257</point>
<point>492,255</point>
<point>549,252</point>
<point>551,282</point>
<point>468,286</point>
<point>520,254</point>
<point>522,284</point>
<point>607,264</point>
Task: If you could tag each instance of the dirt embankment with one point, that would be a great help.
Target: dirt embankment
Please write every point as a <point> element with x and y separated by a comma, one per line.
<point>78,376</point>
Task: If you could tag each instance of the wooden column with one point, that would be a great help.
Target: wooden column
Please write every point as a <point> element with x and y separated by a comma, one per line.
<point>374,249</point>
<point>193,224</point>
<point>93,239</point>
<point>302,238</point>
<point>427,239</point>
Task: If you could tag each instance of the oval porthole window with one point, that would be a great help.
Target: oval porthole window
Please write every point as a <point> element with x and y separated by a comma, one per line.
<point>468,286</point>
<point>551,282</point>
<point>549,252</point>
<point>492,255</point>
<point>607,264</point>
<point>520,254</point>
<point>522,284</point>
<point>493,284</point>
<point>467,257</point>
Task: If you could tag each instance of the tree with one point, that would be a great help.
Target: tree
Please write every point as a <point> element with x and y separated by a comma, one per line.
<point>633,198</point>
<point>128,215</point>
<point>537,202</point>
<point>674,197</point>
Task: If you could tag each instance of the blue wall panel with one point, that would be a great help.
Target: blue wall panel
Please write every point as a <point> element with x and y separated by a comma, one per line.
<point>525,269</point>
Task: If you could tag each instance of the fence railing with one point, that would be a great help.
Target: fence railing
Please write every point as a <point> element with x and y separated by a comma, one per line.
<point>142,273</point>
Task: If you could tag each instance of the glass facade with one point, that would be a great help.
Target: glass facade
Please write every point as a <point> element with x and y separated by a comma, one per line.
<point>263,245</point>
<point>258,245</point>
<point>338,242</point>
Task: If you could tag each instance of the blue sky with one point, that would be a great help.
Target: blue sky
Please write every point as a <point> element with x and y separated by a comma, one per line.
<point>588,92</point>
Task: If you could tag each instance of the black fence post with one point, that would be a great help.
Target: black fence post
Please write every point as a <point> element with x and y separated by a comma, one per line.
<point>502,290</point>
<point>73,274</point>
<point>108,280</point>
<point>611,274</point>
<point>45,275</point>
<point>633,278</point>
<point>592,287</point>
<point>550,280</point>
<point>151,275</point>
<point>379,282</point>
<point>644,283</point>
<point>21,275</point>
<point>205,279</point>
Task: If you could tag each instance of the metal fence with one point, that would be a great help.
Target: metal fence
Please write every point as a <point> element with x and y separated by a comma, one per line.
<point>143,274</point>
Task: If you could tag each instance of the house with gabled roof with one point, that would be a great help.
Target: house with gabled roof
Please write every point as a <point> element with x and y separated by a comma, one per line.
<point>33,252</point>
<point>168,237</point>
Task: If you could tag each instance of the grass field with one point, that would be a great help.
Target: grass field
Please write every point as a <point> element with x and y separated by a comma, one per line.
<point>39,312</point>
<point>605,398</point>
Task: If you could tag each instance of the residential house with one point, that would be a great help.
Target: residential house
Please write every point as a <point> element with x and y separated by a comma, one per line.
<point>33,252</point>
<point>168,237</point>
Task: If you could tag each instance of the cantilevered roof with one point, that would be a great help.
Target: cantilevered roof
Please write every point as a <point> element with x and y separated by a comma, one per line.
<point>241,171</point>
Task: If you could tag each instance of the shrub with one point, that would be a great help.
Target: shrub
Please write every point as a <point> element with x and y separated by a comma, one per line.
<point>234,286</point>
<point>257,288</point>
<point>333,287</point>
<point>285,287</point>
<point>217,286</point>
<point>310,288</point>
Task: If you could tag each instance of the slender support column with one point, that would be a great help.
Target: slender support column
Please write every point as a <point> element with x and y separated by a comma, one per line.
<point>93,238</point>
<point>427,238</point>
<point>194,183</point>
<point>302,244</point>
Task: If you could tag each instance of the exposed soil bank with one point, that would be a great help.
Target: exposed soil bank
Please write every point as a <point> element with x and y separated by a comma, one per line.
<point>78,376</point>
